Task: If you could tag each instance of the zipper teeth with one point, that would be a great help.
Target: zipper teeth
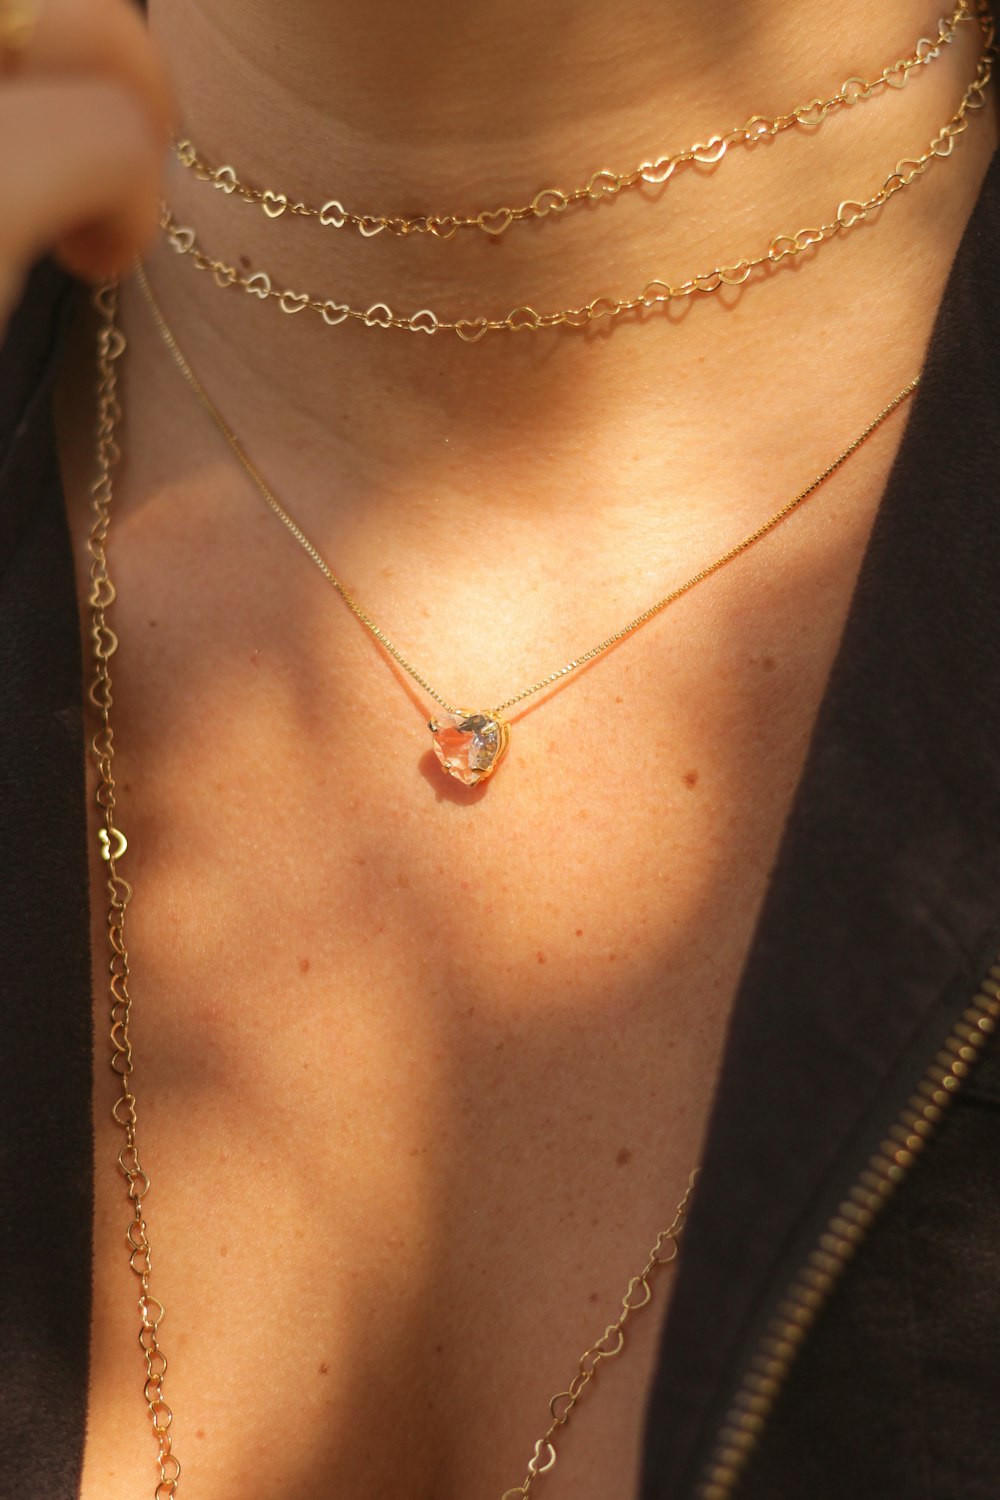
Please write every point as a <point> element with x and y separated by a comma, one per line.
<point>847,1228</point>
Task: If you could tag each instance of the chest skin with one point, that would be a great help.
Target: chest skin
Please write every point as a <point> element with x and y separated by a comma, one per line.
<point>421,1072</point>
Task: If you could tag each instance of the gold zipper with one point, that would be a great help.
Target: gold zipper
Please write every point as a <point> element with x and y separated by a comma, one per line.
<point>846,1230</point>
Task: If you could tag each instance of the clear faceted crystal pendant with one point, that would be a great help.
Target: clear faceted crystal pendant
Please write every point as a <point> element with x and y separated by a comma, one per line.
<point>469,746</point>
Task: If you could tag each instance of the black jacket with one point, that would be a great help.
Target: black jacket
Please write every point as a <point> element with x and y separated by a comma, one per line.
<point>836,1324</point>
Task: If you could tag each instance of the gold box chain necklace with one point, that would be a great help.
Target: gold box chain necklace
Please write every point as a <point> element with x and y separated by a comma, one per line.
<point>603,184</point>
<point>525,318</point>
<point>113,846</point>
<point>470,743</point>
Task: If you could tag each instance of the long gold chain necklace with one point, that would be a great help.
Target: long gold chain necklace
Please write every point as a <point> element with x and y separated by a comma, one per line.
<point>470,743</point>
<point>113,844</point>
<point>525,318</point>
<point>602,184</point>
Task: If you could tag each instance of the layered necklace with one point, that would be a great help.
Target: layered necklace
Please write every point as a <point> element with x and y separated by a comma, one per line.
<point>469,742</point>
<point>604,185</point>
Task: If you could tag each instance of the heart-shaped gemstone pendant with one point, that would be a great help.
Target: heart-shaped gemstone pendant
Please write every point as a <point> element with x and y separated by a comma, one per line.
<point>469,746</point>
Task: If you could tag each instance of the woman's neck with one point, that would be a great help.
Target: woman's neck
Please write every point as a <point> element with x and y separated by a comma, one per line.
<point>413,106</point>
<point>399,108</point>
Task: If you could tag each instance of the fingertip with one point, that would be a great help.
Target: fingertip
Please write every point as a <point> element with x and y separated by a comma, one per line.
<point>98,251</point>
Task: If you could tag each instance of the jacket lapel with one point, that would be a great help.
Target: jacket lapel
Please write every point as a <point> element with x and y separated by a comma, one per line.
<point>883,906</point>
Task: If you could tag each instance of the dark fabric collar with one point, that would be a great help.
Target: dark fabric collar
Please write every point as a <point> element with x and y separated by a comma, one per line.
<point>46,1155</point>
<point>30,351</point>
<point>883,907</point>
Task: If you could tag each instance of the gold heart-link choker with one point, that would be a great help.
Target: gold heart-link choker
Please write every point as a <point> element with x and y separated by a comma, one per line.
<point>659,292</point>
<point>602,185</point>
